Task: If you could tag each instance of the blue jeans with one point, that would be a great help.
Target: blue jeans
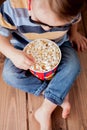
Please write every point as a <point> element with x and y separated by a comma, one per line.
<point>57,88</point>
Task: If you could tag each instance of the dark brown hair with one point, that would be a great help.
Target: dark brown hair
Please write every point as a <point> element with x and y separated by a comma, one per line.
<point>66,9</point>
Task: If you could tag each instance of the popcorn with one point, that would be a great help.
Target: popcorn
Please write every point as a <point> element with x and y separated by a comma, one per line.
<point>46,53</point>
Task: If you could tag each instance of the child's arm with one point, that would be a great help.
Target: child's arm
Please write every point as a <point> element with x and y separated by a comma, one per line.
<point>8,23</point>
<point>77,39</point>
<point>19,58</point>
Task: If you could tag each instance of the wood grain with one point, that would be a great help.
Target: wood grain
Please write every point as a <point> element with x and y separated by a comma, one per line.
<point>84,17</point>
<point>12,107</point>
<point>33,104</point>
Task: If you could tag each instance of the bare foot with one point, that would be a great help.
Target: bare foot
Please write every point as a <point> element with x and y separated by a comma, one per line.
<point>44,119</point>
<point>66,109</point>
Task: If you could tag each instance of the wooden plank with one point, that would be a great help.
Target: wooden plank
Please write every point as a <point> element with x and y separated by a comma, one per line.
<point>78,96</point>
<point>84,17</point>
<point>78,116</point>
<point>58,123</point>
<point>82,91</point>
<point>73,121</point>
<point>12,107</point>
<point>33,104</point>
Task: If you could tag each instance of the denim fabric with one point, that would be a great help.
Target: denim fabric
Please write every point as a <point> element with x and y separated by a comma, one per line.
<point>57,88</point>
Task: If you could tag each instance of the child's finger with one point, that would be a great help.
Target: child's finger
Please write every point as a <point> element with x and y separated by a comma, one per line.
<point>31,58</point>
<point>85,40</point>
<point>83,44</point>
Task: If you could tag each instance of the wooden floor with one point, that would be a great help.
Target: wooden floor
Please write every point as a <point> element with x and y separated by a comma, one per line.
<point>17,107</point>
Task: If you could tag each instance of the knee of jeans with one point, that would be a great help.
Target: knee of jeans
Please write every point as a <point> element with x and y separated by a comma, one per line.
<point>73,67</point>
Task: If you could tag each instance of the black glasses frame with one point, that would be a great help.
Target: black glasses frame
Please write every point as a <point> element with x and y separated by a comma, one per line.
<point>41,23</point>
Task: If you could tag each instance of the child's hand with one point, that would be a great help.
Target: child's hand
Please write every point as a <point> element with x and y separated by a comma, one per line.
<point>79,41</point>
<point>22,60</point>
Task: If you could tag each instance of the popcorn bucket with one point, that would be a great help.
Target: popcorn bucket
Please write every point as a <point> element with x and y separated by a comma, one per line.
<point>44,75</point>
<point>49,58</point>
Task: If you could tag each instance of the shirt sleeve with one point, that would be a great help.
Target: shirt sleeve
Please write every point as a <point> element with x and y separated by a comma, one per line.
<point>7,21</point>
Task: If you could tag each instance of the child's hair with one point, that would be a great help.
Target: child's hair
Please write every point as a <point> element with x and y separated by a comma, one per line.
<point>66,9</point>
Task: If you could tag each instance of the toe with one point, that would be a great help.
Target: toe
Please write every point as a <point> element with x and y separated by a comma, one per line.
<point>65,113</point>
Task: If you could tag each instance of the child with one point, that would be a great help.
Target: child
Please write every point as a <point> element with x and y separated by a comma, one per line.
<point>27,20</point>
